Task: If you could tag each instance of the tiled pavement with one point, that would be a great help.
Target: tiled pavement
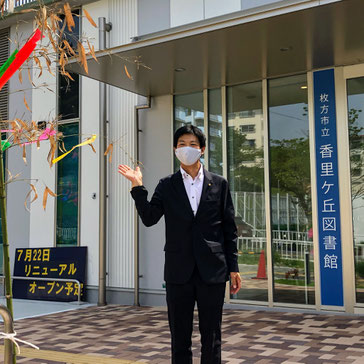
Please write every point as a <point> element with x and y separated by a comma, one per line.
<point>123,334</point>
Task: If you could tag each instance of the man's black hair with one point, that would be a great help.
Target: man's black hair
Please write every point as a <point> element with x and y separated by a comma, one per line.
<point>189,129</point>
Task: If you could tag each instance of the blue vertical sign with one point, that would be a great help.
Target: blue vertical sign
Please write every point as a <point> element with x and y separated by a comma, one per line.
<point>328,189</point>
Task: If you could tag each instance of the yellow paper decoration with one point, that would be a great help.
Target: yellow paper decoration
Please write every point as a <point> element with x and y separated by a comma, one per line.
<point>86,142</point>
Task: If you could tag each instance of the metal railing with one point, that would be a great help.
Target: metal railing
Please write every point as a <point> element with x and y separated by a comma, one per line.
<point>8,329</point>
<point>17,3</point>
<point>51,280</point>
<point>287,249</point>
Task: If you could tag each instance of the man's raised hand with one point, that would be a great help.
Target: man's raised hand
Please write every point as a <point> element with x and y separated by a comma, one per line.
<point>134,176</point>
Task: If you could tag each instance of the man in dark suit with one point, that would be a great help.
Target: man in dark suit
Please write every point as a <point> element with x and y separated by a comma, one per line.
<point>200,248</point>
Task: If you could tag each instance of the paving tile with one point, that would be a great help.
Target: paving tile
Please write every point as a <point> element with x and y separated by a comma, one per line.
<point>141,334</point>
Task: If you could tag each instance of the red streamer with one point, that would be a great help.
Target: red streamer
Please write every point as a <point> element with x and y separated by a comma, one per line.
<point>21,57</point>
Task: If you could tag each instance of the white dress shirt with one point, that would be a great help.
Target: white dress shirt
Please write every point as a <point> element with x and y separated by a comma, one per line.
<point>193,187</point>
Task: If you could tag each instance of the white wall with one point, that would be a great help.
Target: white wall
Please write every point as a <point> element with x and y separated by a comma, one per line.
<point>189,11</point>
<point>219,7</point>
<point>156,155</point>
<point>18,217</point>
<point>43,108</point>
<point>123,15</point>
<point>89,209</point>
<point>186,11</point>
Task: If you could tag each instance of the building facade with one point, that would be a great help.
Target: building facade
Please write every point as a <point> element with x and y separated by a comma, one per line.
<point>278,89</point>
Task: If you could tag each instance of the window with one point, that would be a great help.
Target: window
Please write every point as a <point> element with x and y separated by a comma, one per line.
<point>68,90</point>
<point>67,184</point>
<point>67,188</point>
<point>215,132</point>
<point>246,114</point>
<point>4,54</point>
<point>4,107</point>
<point>188,109</point>
<point>246,180</point>
<point>290,179</point>
<point>247,128</point>
<point>355,89</point>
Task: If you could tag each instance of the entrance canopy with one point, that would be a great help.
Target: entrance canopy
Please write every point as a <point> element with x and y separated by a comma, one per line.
<point>230,50</point>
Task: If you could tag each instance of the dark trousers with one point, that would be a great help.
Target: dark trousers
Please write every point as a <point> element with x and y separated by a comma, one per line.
<point>181,300</point>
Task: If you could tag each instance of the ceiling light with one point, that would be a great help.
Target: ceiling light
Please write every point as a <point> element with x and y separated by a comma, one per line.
<point>304,87</point>
<point>285,49</point>
<point>180,69</point>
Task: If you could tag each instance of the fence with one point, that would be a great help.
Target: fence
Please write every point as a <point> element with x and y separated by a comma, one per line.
<point>287,249</point>
<point>16,3</point>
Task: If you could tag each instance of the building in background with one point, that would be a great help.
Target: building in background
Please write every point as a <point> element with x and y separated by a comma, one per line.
<point>244,71</point>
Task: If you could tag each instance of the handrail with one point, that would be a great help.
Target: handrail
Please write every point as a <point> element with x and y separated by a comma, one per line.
<point>51,280</point>
<point>8,329</point>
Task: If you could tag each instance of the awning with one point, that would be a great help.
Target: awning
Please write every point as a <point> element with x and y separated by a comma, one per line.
<point>244,48</point>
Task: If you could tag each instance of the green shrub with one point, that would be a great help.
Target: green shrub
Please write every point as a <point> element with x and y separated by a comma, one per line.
<point>360,269</point>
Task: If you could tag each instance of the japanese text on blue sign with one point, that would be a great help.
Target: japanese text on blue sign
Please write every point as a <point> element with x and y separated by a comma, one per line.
<point>328,189</point>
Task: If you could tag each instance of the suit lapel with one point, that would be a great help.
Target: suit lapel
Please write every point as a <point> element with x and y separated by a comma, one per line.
<point>206,187</point>
<point>181,191</point>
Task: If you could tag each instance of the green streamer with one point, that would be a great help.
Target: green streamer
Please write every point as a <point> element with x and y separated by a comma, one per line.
<point>6,65</point>
<point>5,145</point>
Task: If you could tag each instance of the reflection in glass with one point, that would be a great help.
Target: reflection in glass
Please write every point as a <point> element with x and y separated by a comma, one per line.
<point>290,191</point>
<point>188,109</point>
<point>355,89</point>
<point>215,132</point>
<point>68,90</point>
<point>3,137</point>
<point>67,188</point>
<point>68,97</point>
<point>246,179</point>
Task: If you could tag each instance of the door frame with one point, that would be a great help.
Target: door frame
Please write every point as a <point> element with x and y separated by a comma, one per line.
<point>342,74</point>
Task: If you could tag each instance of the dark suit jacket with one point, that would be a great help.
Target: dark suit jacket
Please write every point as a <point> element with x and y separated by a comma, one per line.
<point>208,239</point>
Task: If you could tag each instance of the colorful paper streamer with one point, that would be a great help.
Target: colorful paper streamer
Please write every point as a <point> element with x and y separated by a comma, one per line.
<point>44,136</point>
<point>5,145</point>
<point>20,58</point>
<point>6,65</point>
<point>86,142</point>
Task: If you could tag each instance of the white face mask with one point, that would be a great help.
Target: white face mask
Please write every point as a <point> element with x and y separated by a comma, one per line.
<point>188,155</point>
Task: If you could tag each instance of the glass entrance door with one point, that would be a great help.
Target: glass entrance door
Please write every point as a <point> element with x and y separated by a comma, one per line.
<point>355,110</point>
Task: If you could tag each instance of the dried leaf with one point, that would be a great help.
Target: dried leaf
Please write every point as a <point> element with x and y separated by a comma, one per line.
<point>68,46</point>
<point>89,18</point>
<point>109,149</point>
<point>30,78</point>
<point>69,17</point>
<point>45,197</point>
<point>24,155</point>
<point>33,189</point>
<point>26,104</point>
<point>20,75</point>
<point>54,46</point>
<point>51,192</point>
<point>93,148</point>
<point>127,72</point>
<point>92,51</point>
<point>35,193</point>
<point>37,61</point>
<point>2,3</point>
<point>27,11</point>
<point>65,73</point>
<point>52,151</point>
<point>61,147</point>
<point>82,56</point>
